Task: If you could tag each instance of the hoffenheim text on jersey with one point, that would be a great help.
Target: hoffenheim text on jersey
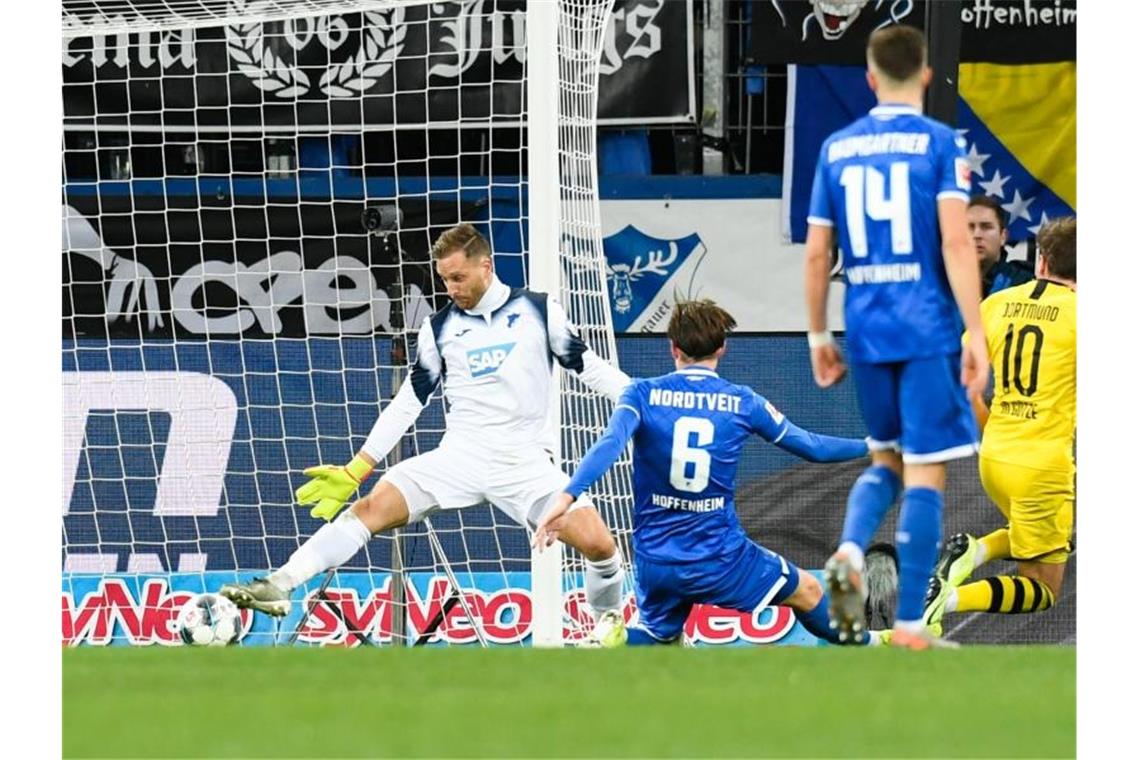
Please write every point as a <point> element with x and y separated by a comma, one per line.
<point>686,449</point>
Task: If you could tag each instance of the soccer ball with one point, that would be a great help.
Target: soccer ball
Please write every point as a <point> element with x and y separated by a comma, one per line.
<point>209,620</point>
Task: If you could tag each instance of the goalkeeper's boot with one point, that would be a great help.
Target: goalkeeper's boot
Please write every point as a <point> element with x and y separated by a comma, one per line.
<point>919,641</point>
<point>937,591</point>
<point>608,633</point>
<point>259,594</point>
<point>847,598</point>
<point>956,563</point>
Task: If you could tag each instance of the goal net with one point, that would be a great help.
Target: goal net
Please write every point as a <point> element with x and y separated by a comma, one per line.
<point>250,192</point>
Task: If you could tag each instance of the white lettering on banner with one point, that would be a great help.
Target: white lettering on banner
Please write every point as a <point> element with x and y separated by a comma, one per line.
<point>984,13</point>
<point>174,47</point>
<point>637,24</point>
<point>469,29</point>
<point>261,290</point>
<point>464,37</point>
<point>203,412</point>
<point>267,286</point>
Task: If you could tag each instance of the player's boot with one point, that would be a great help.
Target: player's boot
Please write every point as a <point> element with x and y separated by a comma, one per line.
<point>956,563</point>
<point>608,633</point>
<point>259,594</point>
<point>937,592</point>
<point>919,641</point>
<point>847,595</point>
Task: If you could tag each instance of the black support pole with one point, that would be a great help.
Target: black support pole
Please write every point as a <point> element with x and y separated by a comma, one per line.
<point>944,37</point>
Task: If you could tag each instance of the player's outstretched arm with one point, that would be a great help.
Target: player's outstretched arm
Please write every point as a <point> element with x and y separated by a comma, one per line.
<point>330,486</point>
<point>572,353</point>
<point>815,447</point>
<point>771,425</point>
<point>601,456</point>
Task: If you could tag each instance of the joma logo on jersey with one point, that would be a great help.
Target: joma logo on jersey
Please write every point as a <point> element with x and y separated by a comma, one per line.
<point>484,361</point>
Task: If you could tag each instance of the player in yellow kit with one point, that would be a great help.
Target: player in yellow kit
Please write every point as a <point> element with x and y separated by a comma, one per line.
<point>1026,461</point>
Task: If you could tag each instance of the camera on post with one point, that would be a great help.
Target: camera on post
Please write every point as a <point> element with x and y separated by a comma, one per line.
<point>381,220</point>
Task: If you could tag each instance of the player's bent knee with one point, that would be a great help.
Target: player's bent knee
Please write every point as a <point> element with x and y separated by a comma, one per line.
<point>1052,575</point>
<point>889,458</point>
<point>807,594</point>
<point>383,508</point>
<point>587,533</point>
<point>926,475</point>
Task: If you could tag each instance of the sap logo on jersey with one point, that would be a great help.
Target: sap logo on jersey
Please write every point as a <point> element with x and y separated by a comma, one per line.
<point>484,361</point>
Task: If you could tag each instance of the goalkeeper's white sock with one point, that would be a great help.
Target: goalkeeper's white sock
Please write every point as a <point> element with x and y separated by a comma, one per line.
<point>603,583</point>
<point>331,546</point>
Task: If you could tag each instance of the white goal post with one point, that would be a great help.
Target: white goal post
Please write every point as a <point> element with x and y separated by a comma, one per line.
<point>250,188</point>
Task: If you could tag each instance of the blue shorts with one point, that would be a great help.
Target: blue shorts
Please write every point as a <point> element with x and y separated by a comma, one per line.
<point>741,581</point>
<point>918,407</point>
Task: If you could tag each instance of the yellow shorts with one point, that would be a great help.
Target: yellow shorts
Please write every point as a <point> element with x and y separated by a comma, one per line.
<point>1038,505</point>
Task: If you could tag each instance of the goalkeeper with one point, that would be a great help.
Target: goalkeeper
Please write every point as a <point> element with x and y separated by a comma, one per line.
<point>689,428</point>
<point>493,350</point>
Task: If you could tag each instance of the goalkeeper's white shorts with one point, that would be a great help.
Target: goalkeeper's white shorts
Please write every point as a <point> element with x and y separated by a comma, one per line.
<point>522,484</point>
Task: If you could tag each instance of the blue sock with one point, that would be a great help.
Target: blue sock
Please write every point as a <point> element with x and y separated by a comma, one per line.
<point>872,495</point>
<point>919,532</point>
<point>817,624</point>
<point>639,637</point>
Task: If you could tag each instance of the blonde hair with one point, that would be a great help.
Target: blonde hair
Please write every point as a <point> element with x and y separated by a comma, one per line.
<point>461,237</point>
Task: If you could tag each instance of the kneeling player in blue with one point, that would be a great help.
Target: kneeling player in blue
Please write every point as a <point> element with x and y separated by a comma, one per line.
<point>688,429</point>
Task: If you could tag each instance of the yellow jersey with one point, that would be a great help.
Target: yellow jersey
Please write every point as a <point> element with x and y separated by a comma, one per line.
<point>1031,333</point>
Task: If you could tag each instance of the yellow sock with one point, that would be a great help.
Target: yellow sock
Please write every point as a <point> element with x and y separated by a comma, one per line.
<point>996,544</point>
<point>1010,594</point>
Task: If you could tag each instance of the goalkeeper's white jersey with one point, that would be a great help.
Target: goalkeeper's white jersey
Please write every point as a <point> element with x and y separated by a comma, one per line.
<point>495,363</point>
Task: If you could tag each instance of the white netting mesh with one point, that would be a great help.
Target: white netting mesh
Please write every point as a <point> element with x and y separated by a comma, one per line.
<point>230,320</point>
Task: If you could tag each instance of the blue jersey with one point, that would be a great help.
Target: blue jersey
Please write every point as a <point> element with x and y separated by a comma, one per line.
<point>688,429</point>
<point>878,183</point>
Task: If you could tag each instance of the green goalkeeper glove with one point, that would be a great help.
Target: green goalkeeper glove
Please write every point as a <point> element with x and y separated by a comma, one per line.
<point>331,485</point>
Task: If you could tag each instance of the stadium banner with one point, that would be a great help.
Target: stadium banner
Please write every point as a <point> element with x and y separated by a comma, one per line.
<point>311,270</point>
<point>146,492</point>
<point>148,497</point>
<point>994,31</point>
<point>1020,144</point>
<point>295,269</point>
<point>140,610</point>
<point>728,249</point>
<point>379,67</point>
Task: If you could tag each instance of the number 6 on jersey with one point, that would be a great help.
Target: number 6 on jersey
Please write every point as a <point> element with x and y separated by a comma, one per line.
<point>685,454</point>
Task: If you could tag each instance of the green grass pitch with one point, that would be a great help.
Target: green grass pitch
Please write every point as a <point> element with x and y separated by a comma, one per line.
<point>776,702</point>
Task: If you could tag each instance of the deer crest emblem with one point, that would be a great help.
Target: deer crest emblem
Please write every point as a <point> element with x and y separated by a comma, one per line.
<point>639,266</point>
